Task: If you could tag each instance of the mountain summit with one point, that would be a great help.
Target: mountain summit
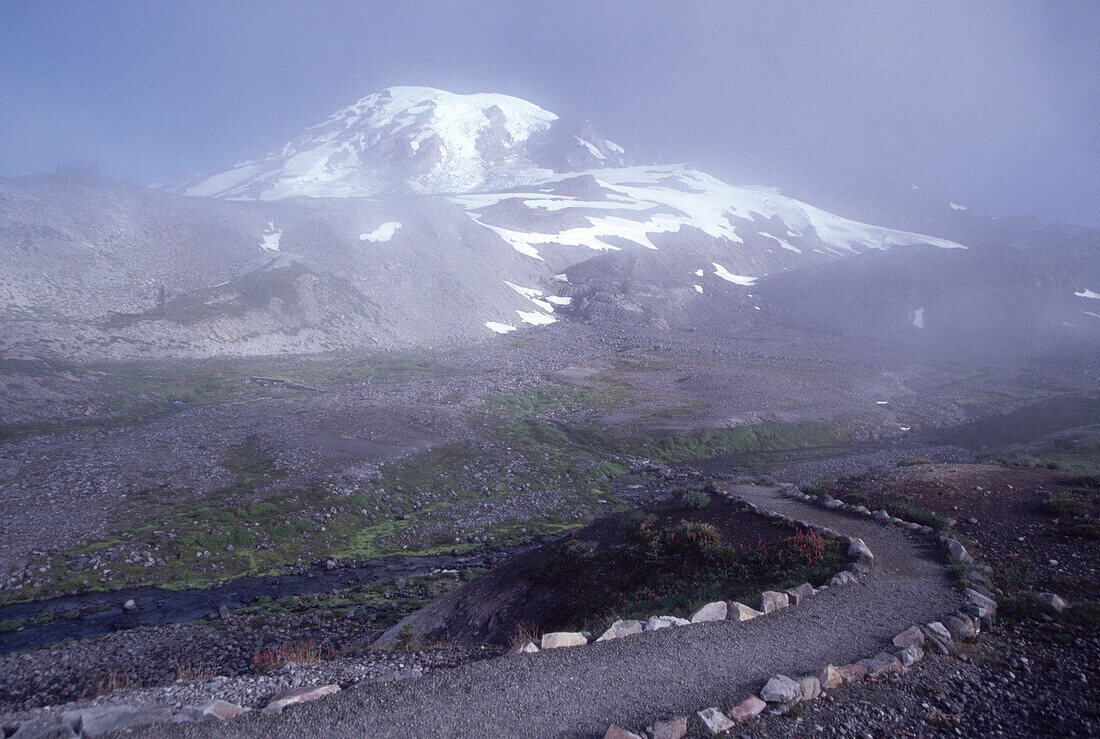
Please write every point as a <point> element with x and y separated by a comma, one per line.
<point>418,140</point>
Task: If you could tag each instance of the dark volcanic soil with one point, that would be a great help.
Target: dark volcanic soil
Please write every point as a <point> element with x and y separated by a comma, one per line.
<point>1000,508</point>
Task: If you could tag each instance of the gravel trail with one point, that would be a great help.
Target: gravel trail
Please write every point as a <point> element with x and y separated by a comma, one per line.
<point>630,682</point>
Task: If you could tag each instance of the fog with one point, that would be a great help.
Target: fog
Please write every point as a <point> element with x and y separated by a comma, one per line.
<point>992,105</point>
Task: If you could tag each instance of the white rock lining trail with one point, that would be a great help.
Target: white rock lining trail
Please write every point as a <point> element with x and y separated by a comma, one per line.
<point>715,672</point>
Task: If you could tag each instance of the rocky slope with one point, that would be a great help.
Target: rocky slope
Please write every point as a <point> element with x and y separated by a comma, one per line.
<point>421,218</point>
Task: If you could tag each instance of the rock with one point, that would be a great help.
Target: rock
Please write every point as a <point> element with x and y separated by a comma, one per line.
<point>223,612</point>
<point>741,612</point>
<point>129,606</point>
<point>832,505</point>
<point>882,515</point>
<point>852,673</point>
<point>663,622</point>
<point>910,655</point>
<point>101,720</point>
<point>781,689</point>
<point>842,578</point>
<point>715,611</point>
<point>330,564</point>
<point>714,721</point>
<point>294,696</point>
<point>616,732</point>
<point>957,551</point>
<point>861,553</point>
<point>829,678</point>
<point>747,709</point>
<point>619,629</point>
<point>881,664</point>
<point>938,638</point>
<point>674,728</point>
<point>524,647</point>
<point>801,593</point>
<point>912,635</point>
<point>558,639</point>
<point>218,709</point>
<point>811,687</point>
<point>772,601</point>
<point>1051,600</point>
<point>43,727</point>
<point>960,625</point>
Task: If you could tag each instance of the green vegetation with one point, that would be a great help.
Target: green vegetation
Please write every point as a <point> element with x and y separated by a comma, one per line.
<point>673,570</point>
<point>245,528</point>
<point>9,625</point>
<point>694,500</point>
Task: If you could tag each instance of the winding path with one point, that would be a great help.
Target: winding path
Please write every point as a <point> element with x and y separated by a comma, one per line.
<point>632,681</point>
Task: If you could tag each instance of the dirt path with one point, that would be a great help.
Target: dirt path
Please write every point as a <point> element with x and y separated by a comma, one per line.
<point>579,691</point>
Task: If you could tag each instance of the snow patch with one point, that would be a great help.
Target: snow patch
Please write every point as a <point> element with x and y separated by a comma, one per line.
<point>559,300</point>
<point>728,276</point>
<point>698,288</point>
<point>535,318</point>
<point>956,206</point>
<point>785,244</point>
<point>698,273</point>
<point>384,232</point>
<point>1088,294</point>
<point>561,278</point>
<point>917,318</point>
<point>270,239</point>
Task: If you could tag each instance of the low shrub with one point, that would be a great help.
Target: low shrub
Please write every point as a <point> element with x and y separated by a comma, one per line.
<point>695,500</point>
<point>1064,504</point>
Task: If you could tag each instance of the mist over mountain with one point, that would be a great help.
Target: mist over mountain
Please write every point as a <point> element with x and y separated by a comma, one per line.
<point>417,217</point>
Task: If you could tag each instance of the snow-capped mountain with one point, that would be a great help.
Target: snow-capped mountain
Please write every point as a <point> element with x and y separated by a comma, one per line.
<point>488,215</point>
<point>418,140</point>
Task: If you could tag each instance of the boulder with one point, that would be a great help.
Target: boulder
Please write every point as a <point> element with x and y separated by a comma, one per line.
<point>714,721</point>
<point>957,551</point>
<point>882,515</point>
<point>832,505</point>
<point>101,720</point>
<point>741,612</point>
<point>621,628</point>
<point>293,696</point>
<point>938,638</point>
<point>842,578</point>
<point>861,553</point>
<point>747,709</point>
<point>811,687</point>
<point>829,678</point>
<point>663,622</point>
<point>715,611</point>
<point>524,647</point>
<point>558,639</point>
<point>852,673</point>
<point>910,655</point>
<point>674,728</point>
<point>781,689</point>
<point>617,732</point>
<point>219,709</point>
<point>129,605</point>
<point>44,727</point>
<point>881,664</point>
<point>772,601</point>
<point>912,635</point>
<point>801,593</point>
<point>960,625</point>
<point>1051,600</point>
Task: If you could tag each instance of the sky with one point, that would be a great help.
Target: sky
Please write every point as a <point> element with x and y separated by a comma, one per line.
<point>991,104</point>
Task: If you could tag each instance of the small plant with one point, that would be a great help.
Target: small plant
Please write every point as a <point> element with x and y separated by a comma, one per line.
<point>914,462</point>
<point>524,632</point>
<point>1064,504</point>
<point>1085,531</point>
<point>300,652</point>
<point>408,640</point>
<point>695,500</point>
<point>9,625</point>
<point>187,672</point>
<point>114,681</point>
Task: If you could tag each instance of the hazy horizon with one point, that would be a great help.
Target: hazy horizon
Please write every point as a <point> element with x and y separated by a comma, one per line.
<point>747,93</point>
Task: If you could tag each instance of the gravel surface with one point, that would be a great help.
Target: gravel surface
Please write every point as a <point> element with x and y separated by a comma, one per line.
<point>579,691</point>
